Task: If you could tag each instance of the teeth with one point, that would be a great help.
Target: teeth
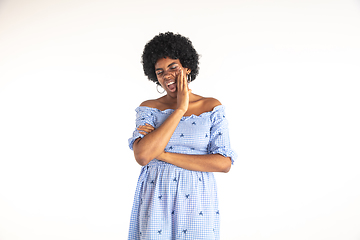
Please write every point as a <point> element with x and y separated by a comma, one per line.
<point>170,83</point>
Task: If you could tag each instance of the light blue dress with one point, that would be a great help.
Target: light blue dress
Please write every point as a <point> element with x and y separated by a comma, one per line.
<point>171,202</point>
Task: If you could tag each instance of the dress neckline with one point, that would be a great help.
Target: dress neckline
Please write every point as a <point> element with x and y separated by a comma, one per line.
<point>169,111</point>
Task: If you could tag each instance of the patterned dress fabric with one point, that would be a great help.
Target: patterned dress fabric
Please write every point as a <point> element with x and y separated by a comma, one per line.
<point>171,202</point>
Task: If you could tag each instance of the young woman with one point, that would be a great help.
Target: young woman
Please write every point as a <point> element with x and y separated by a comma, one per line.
<point>180,140</point>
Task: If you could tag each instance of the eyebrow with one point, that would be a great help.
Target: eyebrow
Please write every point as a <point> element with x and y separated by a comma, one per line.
<point>167,66</point>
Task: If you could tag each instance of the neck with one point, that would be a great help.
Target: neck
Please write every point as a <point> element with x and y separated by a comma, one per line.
<point>173,98</point>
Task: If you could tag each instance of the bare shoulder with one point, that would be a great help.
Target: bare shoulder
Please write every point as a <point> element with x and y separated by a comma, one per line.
<point>158,103</point>
<point>152,103</point>
<point>204,104</point>
<point>211,103</point>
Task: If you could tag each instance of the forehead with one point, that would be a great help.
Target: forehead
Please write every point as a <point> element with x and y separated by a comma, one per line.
<point>165,62</point>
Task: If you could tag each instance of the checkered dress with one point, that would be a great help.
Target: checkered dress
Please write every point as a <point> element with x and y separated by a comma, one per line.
<point>171,202</point>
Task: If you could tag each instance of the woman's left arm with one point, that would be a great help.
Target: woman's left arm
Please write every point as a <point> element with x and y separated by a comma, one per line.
<point>214,162</point>
<point>203,163</point>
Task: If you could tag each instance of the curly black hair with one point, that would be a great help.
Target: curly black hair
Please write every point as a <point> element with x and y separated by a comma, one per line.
<point>170,45</point>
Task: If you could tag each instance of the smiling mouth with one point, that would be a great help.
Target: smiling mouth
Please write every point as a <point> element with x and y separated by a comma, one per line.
<point>171,82</point>
<point>171,86</point>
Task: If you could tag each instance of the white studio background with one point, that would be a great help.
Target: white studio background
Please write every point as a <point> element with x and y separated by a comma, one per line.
<point>287,72</point>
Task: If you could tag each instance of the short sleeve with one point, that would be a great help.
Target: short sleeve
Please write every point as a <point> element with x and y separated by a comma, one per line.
<point>143,115</point>
<point>219,135</point>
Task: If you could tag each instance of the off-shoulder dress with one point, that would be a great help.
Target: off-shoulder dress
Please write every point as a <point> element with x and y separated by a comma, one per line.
<point>171,202</point>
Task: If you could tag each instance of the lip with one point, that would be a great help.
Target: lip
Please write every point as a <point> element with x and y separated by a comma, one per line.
<point>167,83</point>
<point>170,82</point>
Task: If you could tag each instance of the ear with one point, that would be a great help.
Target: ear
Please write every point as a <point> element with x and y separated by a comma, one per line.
<point>188,71</point>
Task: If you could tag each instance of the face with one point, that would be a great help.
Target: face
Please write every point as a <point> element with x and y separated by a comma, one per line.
<point>166,70</point>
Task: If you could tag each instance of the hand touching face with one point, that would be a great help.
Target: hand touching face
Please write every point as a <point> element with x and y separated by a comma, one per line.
<point>167,71</point>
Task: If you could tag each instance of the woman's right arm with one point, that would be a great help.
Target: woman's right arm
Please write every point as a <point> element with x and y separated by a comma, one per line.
<point>154,143</point>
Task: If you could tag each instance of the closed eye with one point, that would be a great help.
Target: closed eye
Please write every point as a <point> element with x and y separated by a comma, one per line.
<point>171,66</point>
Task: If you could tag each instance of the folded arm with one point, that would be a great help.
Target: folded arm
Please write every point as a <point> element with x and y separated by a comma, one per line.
<point>154,142</point>
<point>203,163</point>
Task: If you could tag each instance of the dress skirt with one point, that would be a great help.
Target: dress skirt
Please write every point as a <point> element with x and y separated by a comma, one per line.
<point>174,203</point>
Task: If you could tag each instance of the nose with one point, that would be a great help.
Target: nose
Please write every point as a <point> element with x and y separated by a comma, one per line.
<point>167,74</point>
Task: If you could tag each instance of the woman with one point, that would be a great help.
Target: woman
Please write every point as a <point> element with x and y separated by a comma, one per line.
<point>181,138</point>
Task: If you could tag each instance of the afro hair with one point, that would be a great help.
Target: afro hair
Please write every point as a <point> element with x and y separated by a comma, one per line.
<point>170,45</point>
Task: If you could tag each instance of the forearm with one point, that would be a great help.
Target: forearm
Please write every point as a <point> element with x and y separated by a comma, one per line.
<point>154,143</point>
<point>203,163</point>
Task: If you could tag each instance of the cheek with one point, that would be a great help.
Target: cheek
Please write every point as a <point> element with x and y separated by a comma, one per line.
<point>175,72</point>
<point>160,80</point>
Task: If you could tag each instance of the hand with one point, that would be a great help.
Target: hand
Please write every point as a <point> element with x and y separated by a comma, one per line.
<point>145,129</point>
<point>183,91</point>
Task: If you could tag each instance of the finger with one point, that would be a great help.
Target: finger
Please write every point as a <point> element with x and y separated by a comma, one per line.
<point>179,85</point>
<point>178,77</point>
<point>147,127</point>
<point>183,86</point>
<point>186,85</point>
<point>147,130</point>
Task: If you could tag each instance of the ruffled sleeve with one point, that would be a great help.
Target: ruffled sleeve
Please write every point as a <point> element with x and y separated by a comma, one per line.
<point>143,115</point>
<point>219,135</point>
